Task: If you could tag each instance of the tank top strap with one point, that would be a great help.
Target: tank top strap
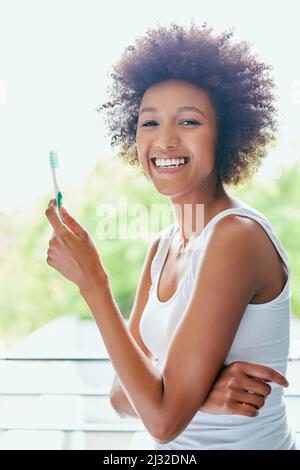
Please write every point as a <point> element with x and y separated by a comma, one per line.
<point>246,211</point>
<point>165,239</point>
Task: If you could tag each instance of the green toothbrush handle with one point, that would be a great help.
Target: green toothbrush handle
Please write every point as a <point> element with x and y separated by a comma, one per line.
<point>59,204</point>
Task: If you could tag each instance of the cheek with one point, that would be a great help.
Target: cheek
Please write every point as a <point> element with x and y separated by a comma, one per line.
<point>138,145</point>
<point>141,140</point>
<point>141,149</point>
<point>206,145</point>
<point>204,153</point>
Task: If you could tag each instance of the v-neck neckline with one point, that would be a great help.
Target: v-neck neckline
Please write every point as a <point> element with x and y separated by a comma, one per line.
<point>174,228</point>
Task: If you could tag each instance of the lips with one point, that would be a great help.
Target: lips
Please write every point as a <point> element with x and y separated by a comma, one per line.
<point>186,159</point>
<point>166,170</point>
<point>168,157</point>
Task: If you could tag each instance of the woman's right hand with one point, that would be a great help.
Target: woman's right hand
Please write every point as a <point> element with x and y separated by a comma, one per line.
<point>241,388</point>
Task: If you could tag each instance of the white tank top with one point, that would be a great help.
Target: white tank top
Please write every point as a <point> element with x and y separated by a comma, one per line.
<point>263,337</point>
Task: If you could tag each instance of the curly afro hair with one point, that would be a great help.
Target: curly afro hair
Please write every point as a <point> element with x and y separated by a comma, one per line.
<point>239,86</point>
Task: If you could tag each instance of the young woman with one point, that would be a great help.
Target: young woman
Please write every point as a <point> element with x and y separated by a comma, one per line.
<point>213,304</point>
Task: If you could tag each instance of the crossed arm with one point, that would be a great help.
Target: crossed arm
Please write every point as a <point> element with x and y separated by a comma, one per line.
<point>211,318</point>
<point>241,388</point>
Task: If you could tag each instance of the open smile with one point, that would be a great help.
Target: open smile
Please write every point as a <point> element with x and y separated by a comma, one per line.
<point>169,165</point>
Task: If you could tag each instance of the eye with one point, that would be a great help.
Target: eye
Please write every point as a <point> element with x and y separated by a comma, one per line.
<point>145,123</point>
<point>190,120</point>
<point>185,120</point>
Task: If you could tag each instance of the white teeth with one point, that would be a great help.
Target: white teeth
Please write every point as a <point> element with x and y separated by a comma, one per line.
<point>168,162</point>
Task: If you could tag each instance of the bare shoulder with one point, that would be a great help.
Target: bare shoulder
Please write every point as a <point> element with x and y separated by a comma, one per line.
<point>236,236</point>
<point>244,237</point>
<point>234,224</point>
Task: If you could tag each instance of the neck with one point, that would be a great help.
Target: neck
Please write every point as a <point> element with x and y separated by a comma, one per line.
<point>193,210</point>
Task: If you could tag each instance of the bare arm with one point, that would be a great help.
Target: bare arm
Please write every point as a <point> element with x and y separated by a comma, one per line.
<point>120,402</point>
<point>240,389</point>
<point>211,318</point>
<point>118,398</point>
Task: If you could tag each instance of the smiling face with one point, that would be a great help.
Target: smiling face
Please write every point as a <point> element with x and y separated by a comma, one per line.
<point>166,130</point>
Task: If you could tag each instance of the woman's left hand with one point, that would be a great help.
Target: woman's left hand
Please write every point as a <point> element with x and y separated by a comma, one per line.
<point>72,251</point>
<point>242,388</point>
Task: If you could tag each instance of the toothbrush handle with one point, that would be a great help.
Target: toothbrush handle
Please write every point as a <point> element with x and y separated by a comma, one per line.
<point>58,194</point>
<point>56,188</point>
<point>59,204</point>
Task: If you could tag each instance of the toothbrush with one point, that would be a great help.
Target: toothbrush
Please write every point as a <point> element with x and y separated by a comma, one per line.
<point>54,165</point>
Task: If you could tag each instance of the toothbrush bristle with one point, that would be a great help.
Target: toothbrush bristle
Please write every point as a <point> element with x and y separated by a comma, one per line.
<point>53,159</point>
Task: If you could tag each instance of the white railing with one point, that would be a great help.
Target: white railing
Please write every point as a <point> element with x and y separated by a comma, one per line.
<point>54,392</point>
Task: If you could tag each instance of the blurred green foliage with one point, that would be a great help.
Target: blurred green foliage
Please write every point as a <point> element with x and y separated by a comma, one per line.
<point>33,293</point>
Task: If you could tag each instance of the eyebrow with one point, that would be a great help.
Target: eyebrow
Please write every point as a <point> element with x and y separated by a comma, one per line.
<point>182,108</point>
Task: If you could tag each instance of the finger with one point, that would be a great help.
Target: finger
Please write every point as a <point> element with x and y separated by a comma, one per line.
<point>52,215</point>
<point>53,235</point>
<point>249,398</point>
<point>73,224</point>
<point>265,373</point>
<point>245,410</point>
<point>255,386</point>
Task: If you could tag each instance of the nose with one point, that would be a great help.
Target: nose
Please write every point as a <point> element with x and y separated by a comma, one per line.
<point>166,138</point>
